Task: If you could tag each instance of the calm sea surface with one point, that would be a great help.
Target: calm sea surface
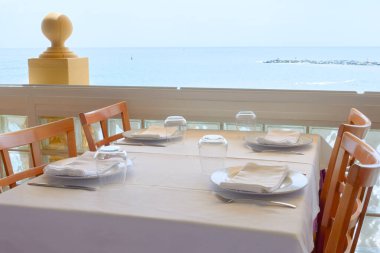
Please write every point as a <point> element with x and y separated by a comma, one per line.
<point>214,67</point>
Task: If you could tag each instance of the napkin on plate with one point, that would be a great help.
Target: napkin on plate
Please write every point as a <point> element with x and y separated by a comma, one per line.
<point>255,178</point>
<point>280,137</point>
<point>155,132</point>
<point>81,166</point>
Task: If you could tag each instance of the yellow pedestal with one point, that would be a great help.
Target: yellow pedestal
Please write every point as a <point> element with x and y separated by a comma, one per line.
<point>58,71</point>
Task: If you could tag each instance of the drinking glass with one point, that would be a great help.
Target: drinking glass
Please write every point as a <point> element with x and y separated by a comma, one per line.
<point>245,121</point>
<point>111,165</point>
<point>177,124</point>
<point>212,153</point>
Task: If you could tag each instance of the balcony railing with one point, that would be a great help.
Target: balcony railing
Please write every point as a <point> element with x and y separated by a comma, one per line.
<point>318,112</point>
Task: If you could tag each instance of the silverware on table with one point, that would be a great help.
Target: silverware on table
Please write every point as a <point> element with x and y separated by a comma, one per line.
<point>65,186</point>
<point>266,202</point>
<point>140,144</point>
<point>259,150</point>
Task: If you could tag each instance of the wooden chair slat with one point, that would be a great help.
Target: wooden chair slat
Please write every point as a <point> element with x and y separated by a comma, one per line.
<point>358,124</point>
<point>102,116</point>
<point>344,210</point>
<point>32,137</point>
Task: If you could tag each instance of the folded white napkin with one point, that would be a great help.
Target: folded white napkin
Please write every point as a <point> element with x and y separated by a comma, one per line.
<point>280,137</point>
<point>155,132</point>
<point>82,166</point>
<point>255,178</point>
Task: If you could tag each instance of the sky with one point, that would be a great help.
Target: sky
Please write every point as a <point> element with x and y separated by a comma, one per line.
<point>195,23</point>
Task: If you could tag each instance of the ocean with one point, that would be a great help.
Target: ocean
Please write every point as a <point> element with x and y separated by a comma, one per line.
<point>216,67</point>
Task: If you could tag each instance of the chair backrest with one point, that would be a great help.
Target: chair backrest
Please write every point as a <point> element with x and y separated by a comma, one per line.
<point>348,196</point>
<point>32,137</point>
<point>357,124</point>
<point>101,116</point>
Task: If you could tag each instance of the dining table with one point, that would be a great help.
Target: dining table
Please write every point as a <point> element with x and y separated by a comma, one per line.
<point>166,204</point>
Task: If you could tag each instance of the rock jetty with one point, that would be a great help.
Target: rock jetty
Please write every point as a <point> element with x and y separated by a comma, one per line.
<point>336,62</point>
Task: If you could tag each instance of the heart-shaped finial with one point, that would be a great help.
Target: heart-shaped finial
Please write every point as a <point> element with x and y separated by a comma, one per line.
<point>57,28</point>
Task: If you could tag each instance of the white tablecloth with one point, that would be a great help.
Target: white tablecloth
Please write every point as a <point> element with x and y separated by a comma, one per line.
<point>166,205</point>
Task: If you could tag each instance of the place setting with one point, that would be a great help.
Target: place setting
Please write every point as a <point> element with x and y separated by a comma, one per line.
<point>251,182</point>
<point>257,183</point>
<point>280,141</point>
<point>173,130</point>
<point>89,171</point>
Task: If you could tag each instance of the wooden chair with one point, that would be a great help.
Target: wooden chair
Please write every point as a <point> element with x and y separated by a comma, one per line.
<point>102,115</point>
<point>32,137</point>
<point>348,196</point>
<point>357,124</point>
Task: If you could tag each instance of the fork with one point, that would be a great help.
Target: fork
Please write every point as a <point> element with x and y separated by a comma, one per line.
<point>267,202</point>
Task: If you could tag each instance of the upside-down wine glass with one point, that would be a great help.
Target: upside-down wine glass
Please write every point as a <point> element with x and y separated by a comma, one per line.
<point>175,127</point>
<point>245,122</point>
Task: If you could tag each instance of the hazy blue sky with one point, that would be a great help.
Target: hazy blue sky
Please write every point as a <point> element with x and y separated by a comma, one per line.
<point>124,23</point>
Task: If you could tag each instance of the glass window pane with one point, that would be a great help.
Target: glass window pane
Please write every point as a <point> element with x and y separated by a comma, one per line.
<point>374,203</point>
<point>148,123</point>
<point>232,127</point>
<point>203,125</point>
<point>115,126</point>
<point>373,139</point>
<point>327,133</point>
<point>56,142</point>
<point>369,240</point>
<point>135,123</point>
<point>20,160</point>
<point>11,123</point>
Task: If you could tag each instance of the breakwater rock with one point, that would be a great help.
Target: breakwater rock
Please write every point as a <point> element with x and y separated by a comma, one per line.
<point>336,62</point>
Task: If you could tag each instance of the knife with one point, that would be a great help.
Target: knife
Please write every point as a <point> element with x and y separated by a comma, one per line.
<point>65,186</point>
<point>140,144</point>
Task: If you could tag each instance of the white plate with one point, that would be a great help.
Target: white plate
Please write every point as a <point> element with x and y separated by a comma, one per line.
<point>293,182</point>
<point>129,135</point>
<point>111,172</point>
<point>302,141</point>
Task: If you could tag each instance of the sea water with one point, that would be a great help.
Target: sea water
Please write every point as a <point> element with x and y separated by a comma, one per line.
<point>216,67</point>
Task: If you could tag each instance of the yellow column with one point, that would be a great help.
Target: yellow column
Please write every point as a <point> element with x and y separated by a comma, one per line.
<point>58,65</point>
